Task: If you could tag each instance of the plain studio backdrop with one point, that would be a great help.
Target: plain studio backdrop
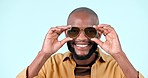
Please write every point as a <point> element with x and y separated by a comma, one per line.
<point>24,24</point>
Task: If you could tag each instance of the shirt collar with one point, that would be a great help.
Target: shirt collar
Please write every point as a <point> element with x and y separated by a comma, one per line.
<point>102,56</point>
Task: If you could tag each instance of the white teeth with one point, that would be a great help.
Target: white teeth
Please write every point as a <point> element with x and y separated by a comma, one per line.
<point>82,45</point>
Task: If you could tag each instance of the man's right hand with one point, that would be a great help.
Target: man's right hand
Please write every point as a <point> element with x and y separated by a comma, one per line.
<point>51,43</point>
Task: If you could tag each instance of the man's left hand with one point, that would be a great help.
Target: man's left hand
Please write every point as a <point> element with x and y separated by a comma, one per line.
<point>112,44</point>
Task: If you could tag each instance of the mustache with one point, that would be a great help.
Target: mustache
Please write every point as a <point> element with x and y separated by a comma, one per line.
<point>75,41</point>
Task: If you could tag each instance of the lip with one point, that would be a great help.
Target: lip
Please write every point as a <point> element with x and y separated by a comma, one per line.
<point>82,47</point>
<point>82,42</point>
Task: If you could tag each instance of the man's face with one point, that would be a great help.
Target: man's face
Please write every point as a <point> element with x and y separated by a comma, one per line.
<point>81,46</point>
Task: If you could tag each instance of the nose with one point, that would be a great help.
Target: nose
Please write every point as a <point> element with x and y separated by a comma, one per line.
<point>81,36</point>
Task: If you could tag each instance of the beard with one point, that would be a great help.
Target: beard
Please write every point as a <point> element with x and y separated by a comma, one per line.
<point>78,57</point>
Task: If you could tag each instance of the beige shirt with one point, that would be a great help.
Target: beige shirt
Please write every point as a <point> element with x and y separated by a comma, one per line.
<point>63,66</point>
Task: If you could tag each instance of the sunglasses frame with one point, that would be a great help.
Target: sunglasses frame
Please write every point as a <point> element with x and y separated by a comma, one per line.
<point>83,30</point>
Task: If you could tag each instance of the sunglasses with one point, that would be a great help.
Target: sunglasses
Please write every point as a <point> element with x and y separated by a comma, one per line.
<point>90,32</point>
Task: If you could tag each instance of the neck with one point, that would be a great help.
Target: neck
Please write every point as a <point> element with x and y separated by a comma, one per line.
<point>87,61</point>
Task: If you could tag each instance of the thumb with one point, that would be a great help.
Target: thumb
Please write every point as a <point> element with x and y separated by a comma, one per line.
<point>98,41</point>
<point>65,40</point>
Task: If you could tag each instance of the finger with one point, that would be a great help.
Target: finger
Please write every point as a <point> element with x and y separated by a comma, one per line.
<point>63,28</point>
<point>51,30</point>
<point>99,34</point>
<point>65,40</point>
<point>99,28</point>
<point>105,32</point>
<point>100,25</point>
<point>102,30</point>
<point>103,25</point>
<point>51,36</point>
<point>54,30</point>
<point>108,27</point>
<point>110,30</point>
<point>98,41</point>
<point>60,29</point>
<point>105,28</point>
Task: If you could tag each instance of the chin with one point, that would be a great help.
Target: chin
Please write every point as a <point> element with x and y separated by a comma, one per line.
<point>82,51</point>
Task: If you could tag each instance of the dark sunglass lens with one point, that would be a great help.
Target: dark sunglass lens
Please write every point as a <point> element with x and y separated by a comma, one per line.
<point>90,32</point>
<point>73,32</point>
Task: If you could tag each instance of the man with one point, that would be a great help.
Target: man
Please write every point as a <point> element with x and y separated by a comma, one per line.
<point>84,59</point>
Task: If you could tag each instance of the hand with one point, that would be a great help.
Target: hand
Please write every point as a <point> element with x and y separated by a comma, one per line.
<point>112,44</point>
<point>51,43</point>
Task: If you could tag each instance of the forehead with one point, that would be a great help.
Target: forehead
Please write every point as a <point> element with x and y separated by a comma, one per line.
<point>82,26</point>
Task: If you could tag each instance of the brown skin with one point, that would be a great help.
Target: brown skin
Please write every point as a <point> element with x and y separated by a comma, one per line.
<point>82,20</point>
<point>51,40</point>
<point>111,45</point>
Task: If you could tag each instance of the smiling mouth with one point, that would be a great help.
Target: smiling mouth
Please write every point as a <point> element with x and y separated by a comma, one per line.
<point>80,45</point>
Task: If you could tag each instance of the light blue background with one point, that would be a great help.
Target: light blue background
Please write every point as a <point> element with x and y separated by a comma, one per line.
<point>24,24</point>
